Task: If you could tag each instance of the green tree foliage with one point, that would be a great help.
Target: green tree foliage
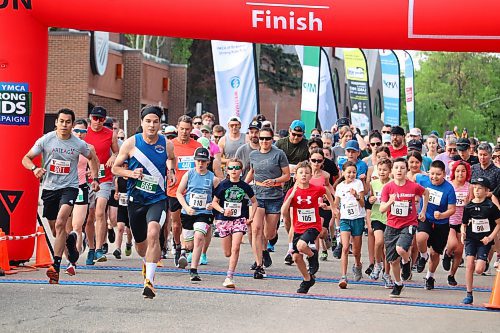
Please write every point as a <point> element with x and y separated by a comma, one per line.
<point>279,70</point>
<point>459,89</point>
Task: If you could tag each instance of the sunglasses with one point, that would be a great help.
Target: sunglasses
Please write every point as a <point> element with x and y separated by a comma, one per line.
<point>449,150</point>
<point>99,119</point>
<point>217,137</point>
<point>315,136</point>
<point>496,156</point>
<point>386,132</point>
<point>197,123</point>
<point>373,144</point>
<point>316,161</point>
<point>79,131</point>
<point>265,138</point>
<point>298,135</point>
<point>234,167</point>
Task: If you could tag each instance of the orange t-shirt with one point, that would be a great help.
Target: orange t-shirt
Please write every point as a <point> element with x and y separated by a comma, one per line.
<point>183,161</point>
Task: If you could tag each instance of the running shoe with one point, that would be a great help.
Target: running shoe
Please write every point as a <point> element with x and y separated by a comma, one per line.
<point>451,281</point>
<point>100,256</point>
<point>90,257</point>
<point>111,235</point>
<point>497,263</point>
<point>177,256</point>
<point>421,264</point>
<point>388,284</point>
<point>406,270</point>
<point>337,253</point>
<point>396,290</point>
<point>189,257</point>
<point>323,256</point>
<point>369,270</point>
<point>305,286</point>
<point>429,283</point>
<point>446,262</point>
<point>159,263</point>
<point>228,283</point>
<point>105,248</point>
<point>313,262</point>
<point>266,259</point>
<point>53,275</point>
<point>259,273</point>
<point>164,253</point>
<point>194,276</point>
<point>469,299</point>
<point>270,247</point>
<point>70,270</point>
<point>356,271</point>
<point>343,282</point>
<point>182,263</point>
<point>254,266</point>
<point>377,269</point>
<point>73,253</point>
<point>149,291</point>
<point>203,259</point>
<point>128,249</point>
<point>289,259</point>
<point>117,253</point>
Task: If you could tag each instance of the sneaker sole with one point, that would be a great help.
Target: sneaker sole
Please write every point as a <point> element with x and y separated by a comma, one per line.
<point>101,259</point>
<point>148,293</point>
<point>196,280</point>
<point>230,286</point>
<point>53,277</point>
<point>395,296</point>
<point>343,285</point>
<point>70,272</point>
<point>182,263</point>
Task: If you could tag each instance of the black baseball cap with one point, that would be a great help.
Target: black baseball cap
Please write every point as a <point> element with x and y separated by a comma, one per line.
<point>463,144</point>
<point>201,154</point>
<point>99,111</point>
<point>415,145</point>
<point>108,123</point>
<point>397,130</point>
<point>481,181</point>
<point>255,124</point>
<point>343,122</point>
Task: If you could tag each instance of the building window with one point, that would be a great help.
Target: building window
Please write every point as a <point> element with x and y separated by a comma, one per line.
<point>377,107</point>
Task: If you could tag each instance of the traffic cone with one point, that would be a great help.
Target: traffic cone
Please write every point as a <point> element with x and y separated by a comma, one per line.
<point>495,294</point>
<point>4,255</point>
<point>43,258</point>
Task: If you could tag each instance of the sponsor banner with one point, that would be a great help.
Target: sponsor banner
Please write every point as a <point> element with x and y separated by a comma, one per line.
<point>390,85</point>
<point>309,59</point>
<point>327,108</point>
<point>359,91</point>
<point>235,81</point>
<point>15,103</point>
<point>409,90</point>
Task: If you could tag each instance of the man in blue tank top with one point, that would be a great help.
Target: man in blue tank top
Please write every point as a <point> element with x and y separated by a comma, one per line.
<point>195,193</point>
<point>148,155</point>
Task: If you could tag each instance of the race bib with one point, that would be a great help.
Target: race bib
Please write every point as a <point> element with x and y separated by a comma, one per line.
<point>123,199</point>
<point>102,172</point>
<point>197,200</point>
<point>435,197</point>
<point>148,184</point>
<point>350,210</point>
<point>461,197</point>
<point>185,162</point>
<point>79,198</point>
<point>480,225</point>
<point>235,208</point>
<point>400,208</point>
<point>306,215</point>
<point>377,195</point>
<point>59,167</point>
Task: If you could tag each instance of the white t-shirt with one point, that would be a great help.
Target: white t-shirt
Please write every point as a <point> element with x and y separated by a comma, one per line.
<point>349,206</point>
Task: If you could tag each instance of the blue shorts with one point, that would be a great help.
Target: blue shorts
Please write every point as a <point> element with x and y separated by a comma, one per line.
<point>355,227</point>
<point>477,249</point>
<point>271,206</point>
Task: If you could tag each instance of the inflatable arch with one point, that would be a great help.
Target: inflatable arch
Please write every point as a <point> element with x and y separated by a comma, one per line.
<point>448,25</point>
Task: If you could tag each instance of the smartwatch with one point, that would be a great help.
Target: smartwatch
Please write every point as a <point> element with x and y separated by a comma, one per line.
<point>33,168</point>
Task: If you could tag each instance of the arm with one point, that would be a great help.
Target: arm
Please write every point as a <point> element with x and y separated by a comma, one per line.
<point>171,164</point>
<point>421,216</point>
<point>385,206</point>
<point>449,212</point>
<point>493,234</point>
<point>27,162</point>
<point>285,209</point>
<point>180,196</point>
<point>217,206</point>
<point>114,148</point>
<point>217,166</point>
<point>222,146</point>
<point>93,163</point>
<point>249,176</point>
<point>118,169</point>
<point>255,205</point>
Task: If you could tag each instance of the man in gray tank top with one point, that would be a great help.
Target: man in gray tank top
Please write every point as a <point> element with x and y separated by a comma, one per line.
<point>233,140</point>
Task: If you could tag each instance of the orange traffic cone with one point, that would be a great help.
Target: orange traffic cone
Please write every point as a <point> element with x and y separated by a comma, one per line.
<point>495,294</point>
<point>43,258</point>
<point>4,254</point>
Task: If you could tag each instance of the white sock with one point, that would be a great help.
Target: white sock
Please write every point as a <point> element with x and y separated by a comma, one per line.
<point>429,275</point>
<point>150,271</point>
<point>424,255</point>
<point>399,283</point>
<point>143,259</point>
<point>290,247</point>
<point>403,261</point>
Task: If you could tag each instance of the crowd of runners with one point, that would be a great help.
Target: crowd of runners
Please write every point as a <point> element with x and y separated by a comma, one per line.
<point>416,202</point>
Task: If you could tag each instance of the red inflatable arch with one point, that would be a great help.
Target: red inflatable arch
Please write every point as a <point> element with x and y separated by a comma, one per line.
<point>450,25</point>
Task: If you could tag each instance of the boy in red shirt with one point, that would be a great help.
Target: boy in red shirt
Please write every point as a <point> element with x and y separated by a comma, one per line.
<point>305,200</point>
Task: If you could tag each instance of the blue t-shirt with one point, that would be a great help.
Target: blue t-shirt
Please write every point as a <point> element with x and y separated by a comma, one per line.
<point>439,198</point>
<point>361,167</point>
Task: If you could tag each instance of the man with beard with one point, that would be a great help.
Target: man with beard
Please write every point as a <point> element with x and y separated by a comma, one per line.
<point>398,147</point>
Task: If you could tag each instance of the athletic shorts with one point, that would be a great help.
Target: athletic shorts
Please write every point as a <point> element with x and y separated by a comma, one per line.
<point>271,206</point>
<point>112,202</point>
<point>174,204</point>
<point>438,234</point>
<point>397,237</point>
<point>122,215</point>
<point>192,223</point>
<point>368,205</point>
<point>377,225</point>
<point>105,190</point>
<point>54,199</point>
<point>355,227</point>
<point>229,227</point>
<point>456,227</point>
<point>83,195</point>
<point>141,215</point>
<point>309,236</point>
<point>327,216</point>
<point>477,249</point>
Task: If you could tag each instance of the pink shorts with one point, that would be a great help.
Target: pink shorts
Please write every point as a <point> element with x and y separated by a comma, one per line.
<point>227,228</point>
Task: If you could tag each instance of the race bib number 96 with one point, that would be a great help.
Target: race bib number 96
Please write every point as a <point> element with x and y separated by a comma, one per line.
<point>480,225</point>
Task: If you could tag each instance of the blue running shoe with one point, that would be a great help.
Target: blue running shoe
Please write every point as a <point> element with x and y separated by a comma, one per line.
<point>468,299</point>
<point>203,259</point>
<point>190,257</point>
<point>100,256</point>
<point>90,257</point>
<point>270,248</point>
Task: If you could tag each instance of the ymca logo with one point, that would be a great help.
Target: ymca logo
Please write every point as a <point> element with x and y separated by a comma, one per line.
<point>308,199</point>
<point>8,203</point>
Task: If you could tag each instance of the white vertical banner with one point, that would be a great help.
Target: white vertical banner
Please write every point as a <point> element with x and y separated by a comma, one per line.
<point>327,108</point>
<point>235,81</point>
<point>409,90</point>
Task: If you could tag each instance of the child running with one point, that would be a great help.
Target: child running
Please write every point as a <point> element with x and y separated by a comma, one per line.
<point>480,225</point>
<point>232,216</point>
<point>304,199</point>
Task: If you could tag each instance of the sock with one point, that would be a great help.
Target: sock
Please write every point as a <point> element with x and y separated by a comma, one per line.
<point>290,247</point>
<point>230,274</point>
<point>193,270</point>
<point>424,255</point>
<point>399,283</point>
<point>469,293</point>
<point>274,240</point>
<point>429,275</point>
<point>150,271</point>
<point>57,263</point>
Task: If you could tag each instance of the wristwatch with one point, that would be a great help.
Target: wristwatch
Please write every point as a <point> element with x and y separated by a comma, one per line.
<point>33,168</point>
